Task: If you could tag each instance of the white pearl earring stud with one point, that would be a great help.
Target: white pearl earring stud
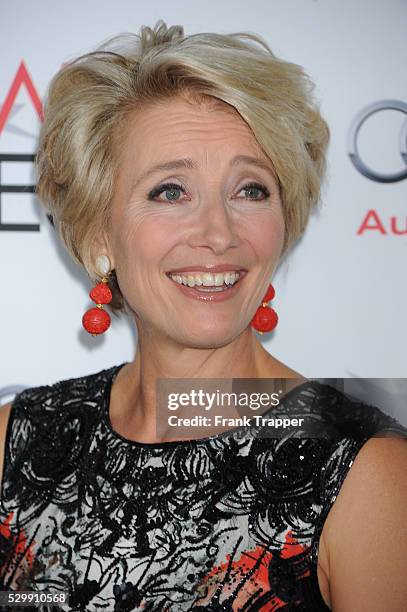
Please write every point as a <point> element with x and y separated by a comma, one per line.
<point>103,265</point>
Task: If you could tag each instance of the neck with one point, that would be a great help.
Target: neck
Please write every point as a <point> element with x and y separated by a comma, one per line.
<point>133,399</point>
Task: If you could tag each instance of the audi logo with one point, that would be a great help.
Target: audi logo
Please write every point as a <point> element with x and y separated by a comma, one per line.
<point>353,151</point>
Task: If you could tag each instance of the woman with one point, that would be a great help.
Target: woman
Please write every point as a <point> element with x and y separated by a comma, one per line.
<point>179,170</point>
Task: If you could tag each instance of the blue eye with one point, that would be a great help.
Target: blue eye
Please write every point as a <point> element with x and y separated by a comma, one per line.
<point>253,187</point>
<point>171,188</point>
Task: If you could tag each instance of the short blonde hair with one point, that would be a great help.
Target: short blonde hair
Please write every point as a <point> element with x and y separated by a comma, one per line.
<point>90,98</point>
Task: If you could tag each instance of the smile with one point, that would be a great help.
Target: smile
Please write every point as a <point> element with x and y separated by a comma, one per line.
<point>206,279</point>
<point>208,286</point>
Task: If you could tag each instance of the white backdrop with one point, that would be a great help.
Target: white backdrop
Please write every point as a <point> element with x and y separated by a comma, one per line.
<point>341,297</point>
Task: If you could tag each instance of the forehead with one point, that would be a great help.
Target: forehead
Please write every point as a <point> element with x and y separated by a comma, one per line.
<point>170,125</point>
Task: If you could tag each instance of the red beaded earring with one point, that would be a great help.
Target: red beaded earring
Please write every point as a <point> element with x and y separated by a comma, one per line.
<point>265,318</point>
<point>96,320</point>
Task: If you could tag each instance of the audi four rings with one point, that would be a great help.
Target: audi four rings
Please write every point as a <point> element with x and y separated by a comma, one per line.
<point>353,151</point>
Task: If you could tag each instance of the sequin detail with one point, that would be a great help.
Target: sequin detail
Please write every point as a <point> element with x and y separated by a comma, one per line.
<point>225,523</point>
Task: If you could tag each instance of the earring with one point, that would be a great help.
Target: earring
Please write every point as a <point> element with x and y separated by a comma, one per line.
<point>265,318</point>
<point>96,320</point>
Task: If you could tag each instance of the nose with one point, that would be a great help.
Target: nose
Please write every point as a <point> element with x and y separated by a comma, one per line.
<point>213,227</point>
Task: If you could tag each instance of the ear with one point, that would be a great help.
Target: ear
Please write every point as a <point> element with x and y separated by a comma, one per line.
<point>101,246</point>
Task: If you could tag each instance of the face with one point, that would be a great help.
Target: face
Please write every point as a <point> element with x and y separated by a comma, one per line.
<point>207,220</point>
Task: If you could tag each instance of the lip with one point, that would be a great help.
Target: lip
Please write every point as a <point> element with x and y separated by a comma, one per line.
<point>214,269</point>
<point>209,296</point>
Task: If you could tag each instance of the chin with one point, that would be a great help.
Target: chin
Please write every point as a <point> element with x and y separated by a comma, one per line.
<point>211,336</point>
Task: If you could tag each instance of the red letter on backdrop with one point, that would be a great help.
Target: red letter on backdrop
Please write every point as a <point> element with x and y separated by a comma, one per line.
<point>21,77</point>
<point>378,224</point>
<point>394,228</point>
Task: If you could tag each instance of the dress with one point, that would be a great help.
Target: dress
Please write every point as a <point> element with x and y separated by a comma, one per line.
<point>228,522</point>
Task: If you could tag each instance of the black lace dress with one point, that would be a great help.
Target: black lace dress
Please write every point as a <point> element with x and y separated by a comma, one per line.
<point>229,522</point>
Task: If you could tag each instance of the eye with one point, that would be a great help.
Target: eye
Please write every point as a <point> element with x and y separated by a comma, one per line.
<point>253,188</point>
<point>172,189</point>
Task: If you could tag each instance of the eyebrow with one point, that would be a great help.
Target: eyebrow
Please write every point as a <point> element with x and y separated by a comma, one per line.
<point>187,162</point>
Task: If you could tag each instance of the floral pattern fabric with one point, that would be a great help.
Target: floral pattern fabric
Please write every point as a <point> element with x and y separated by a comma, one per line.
<point>226,523</point>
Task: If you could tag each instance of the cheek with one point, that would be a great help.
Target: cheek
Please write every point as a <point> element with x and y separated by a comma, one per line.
<point>140,241</point>
<point>266,234</point>
<point>142,238</point>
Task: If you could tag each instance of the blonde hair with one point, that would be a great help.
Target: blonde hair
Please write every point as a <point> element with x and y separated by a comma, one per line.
<point>89,99</point>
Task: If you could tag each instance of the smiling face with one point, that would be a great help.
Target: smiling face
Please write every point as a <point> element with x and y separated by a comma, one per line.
<point>217,208</point>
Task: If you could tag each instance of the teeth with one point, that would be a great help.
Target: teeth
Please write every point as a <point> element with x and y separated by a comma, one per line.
<point>206,279</point>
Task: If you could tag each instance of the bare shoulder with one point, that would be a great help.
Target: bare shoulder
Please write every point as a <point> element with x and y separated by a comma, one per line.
<point>4,417</point>
<point>275,368</point>
<point>365,531</point>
